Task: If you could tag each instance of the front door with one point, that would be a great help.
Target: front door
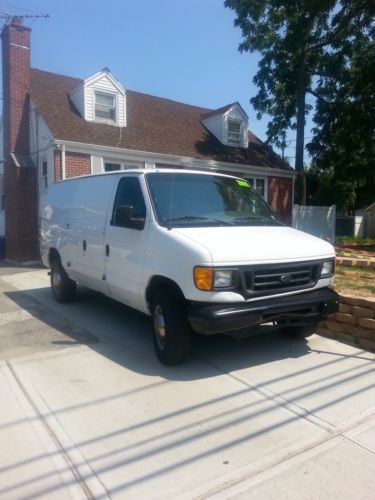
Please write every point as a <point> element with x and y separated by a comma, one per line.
<point>124,246</point>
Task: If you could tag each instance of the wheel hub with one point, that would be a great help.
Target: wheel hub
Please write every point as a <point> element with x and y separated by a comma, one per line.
<point>159,327</point>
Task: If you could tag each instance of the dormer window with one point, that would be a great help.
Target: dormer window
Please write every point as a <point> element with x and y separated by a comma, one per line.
<point>101,98</point>
<point>234,133</point>
<point>105,107</point>
<point>229,124</point>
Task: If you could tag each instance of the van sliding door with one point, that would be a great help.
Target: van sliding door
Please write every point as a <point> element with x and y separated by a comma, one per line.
<point>93,197</point>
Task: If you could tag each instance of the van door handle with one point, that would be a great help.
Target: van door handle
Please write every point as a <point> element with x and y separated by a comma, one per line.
<point>84,245</point>
<point>107,250</point>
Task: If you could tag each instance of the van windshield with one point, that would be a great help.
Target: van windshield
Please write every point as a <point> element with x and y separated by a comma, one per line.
<point>194,200</point>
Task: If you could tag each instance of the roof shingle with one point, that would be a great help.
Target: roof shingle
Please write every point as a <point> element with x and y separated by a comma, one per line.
<point>154,124</point>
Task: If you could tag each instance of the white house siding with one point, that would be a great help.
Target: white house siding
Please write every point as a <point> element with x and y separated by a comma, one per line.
<point>215,124</point>
<point>104,84</point>
<point>41,149</point>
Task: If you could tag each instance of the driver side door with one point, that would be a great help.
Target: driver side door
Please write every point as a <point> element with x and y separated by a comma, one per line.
<point>125,247</point>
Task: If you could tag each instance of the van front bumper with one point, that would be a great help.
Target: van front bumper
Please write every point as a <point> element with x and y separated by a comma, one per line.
<point>300,309</point>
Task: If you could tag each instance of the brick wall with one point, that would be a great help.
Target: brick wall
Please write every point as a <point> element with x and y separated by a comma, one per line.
<point>75,164</point>
<point>280,197</point>
<point>21,219</point>
<point>21,213</point>
<point>16,79</point>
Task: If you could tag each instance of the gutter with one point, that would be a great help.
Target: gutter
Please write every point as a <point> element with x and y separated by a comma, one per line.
<point>63,168</point>
<point>186,161</point>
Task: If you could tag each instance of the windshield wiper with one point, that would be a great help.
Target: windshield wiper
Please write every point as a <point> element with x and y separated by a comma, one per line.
<point>263,219</point>
<point>198,217</point>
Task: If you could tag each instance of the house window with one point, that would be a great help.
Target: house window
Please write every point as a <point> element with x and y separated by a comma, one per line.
<point>45,175</point>
<point>111,167</point>
<point>259,184</point>
<point>234,133</point>
<point>105,106</point>
<point>2,192</point>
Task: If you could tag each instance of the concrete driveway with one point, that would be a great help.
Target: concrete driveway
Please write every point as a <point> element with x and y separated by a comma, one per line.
<point>86,410</point>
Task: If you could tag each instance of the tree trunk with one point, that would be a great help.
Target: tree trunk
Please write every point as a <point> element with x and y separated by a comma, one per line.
<point>300,136</point>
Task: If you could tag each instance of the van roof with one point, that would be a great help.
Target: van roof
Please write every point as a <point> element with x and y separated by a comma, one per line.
<point>142,171</point>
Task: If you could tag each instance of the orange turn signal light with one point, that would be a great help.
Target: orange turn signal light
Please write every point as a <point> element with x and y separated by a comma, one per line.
<point>203,277</point>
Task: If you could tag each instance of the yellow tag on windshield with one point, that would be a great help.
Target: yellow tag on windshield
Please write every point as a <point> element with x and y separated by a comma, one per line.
<point>242,183</point>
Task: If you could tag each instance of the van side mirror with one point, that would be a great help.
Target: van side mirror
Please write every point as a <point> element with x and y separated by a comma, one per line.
<point>123,217</point>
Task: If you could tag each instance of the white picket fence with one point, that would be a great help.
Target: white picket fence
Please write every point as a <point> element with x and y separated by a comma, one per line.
<point>319,221</point>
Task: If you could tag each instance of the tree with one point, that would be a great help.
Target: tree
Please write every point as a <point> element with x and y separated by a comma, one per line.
<point>343,144</point>
<point>303,44</point>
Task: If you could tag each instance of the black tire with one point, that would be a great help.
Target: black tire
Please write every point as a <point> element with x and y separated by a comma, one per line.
<point>298,332</point>
<point>171,330</point>
<point>63,288</point>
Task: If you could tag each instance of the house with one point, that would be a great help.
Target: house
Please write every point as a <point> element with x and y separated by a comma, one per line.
<point>56,126</point>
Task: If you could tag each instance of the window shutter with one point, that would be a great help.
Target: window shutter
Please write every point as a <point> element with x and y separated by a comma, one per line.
<point>96,164</point>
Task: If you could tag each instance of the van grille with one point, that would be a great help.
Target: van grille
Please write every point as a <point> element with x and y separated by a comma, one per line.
<point>280,278</point>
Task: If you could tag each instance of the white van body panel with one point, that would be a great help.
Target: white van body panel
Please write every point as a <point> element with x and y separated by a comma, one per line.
<point>80,209</point>
<point>88,221</point>
<point>173,255</point>
<point>127,249</point>
<point>254,245</point>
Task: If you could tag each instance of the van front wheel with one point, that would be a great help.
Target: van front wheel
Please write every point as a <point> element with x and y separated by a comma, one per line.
<point>63,288</point>
<point>171,328</point>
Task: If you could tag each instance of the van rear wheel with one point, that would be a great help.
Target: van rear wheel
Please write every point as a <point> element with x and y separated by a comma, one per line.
<point>63,288</point>
<point>170,327</point>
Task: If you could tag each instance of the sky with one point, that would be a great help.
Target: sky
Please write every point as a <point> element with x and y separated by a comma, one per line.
<point>186,50</point>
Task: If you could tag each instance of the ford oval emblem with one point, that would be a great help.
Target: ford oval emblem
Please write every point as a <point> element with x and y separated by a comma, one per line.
<point>285,278</point>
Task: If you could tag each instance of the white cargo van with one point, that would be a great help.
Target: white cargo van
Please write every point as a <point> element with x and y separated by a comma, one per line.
<point>196,250</point>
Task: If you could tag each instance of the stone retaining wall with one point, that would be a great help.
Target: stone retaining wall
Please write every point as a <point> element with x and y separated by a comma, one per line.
<point>354,322</point>
<point>352,262</point>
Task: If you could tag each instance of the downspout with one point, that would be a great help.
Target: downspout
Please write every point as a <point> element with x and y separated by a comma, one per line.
<point>63,173</point>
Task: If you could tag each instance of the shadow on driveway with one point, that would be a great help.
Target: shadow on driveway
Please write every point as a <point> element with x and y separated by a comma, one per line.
<point>124,335</point>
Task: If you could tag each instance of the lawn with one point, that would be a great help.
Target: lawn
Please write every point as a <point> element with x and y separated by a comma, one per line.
<point>355,281</point>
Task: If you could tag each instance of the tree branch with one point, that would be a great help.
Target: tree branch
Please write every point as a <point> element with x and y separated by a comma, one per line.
<point>315,94</point>
<point>340,26</point>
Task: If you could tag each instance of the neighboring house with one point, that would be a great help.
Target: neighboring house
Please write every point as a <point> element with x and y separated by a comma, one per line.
<point>56,126</point>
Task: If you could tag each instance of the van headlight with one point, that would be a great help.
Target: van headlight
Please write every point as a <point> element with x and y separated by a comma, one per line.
<point>223,279</point>
<point>328,268</point>
<point>207,278</point>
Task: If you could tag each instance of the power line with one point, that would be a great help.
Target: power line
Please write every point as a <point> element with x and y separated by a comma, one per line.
<point>7,16</point>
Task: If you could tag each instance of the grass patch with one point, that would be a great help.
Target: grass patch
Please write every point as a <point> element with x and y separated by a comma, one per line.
<point>349,240</point>
<point>355,281</point>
